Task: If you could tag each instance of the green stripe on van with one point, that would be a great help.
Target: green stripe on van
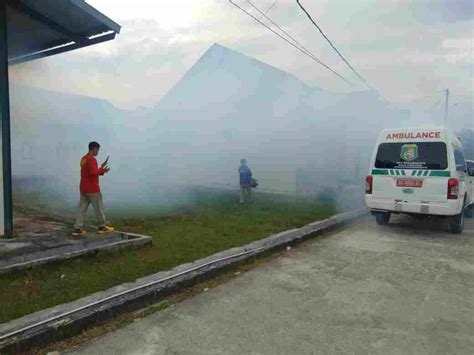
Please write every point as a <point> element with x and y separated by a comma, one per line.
<point>413,173</point>
<point>440,173</point>
<point>379,172</point>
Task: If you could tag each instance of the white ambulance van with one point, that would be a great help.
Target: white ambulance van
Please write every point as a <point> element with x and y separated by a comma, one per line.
<point>420,171</point>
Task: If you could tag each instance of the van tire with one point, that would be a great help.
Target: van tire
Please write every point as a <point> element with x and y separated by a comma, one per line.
<point>382,218</point>
<point>456,223</point>
<point>469,211</point>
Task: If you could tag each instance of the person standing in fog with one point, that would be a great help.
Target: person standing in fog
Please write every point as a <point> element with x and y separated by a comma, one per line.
<point>245,182</point>
<point>90,191</point>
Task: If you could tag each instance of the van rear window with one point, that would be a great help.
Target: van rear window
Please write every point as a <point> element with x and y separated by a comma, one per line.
<point>412,155</point>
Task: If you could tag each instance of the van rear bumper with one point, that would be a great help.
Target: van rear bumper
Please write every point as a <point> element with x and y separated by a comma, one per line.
<point>448,208</point>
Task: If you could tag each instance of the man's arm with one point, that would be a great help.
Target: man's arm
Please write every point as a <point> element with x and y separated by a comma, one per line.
<point>94,169</point>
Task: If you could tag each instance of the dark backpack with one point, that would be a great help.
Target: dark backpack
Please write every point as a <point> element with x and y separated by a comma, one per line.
<point>253,183</point>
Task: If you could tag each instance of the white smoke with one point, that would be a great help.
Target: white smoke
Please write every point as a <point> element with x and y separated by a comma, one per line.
<point>297,138</point>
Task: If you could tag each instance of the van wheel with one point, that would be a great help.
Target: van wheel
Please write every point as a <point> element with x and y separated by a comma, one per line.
<point>456,223</point>
<point>382,218</point>
<point>469,211</point>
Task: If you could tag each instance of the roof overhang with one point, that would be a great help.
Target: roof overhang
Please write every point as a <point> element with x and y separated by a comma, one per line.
<point>38,29</point>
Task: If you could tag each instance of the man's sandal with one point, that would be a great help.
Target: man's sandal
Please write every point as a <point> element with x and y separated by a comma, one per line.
<point>106,229</point>
<point>78,233</point>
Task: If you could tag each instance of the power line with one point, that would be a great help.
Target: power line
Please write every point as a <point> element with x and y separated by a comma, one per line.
<point>290,43</point>
<point>334,47</point>
<point>271,7</point>
<point>304,51</point>
<point>282,30</point>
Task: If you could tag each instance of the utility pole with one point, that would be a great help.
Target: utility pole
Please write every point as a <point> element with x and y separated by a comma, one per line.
<point>6,214</point>
<point>446,121</point>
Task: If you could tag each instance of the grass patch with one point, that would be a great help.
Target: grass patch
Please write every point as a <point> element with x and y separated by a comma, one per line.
<point>211,223</point>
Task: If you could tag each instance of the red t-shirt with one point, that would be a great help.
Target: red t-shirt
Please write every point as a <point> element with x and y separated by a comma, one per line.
<point>90,172</point>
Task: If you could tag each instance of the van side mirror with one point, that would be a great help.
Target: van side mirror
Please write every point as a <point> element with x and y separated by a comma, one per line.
<point>470,172</point>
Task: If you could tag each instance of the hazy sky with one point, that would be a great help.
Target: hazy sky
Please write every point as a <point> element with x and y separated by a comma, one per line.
<point>407,49</point>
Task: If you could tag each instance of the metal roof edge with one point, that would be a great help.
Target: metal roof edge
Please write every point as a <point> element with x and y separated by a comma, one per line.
<point>84,6</point>
<point>61,49</point>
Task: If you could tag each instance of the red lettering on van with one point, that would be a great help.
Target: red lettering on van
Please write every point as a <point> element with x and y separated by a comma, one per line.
<point>411,135</point>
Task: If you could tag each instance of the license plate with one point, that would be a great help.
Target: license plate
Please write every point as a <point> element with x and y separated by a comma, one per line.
<point>409,183</point>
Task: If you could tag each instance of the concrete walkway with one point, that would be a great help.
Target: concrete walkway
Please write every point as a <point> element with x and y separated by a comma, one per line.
<point>407,288</point>
<point>39,240</point>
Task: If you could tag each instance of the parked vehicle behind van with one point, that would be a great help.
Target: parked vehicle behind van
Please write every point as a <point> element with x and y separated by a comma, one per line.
<point>420,171</point>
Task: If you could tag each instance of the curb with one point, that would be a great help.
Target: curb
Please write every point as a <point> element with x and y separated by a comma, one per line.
<point>72,318</point>
<point>127,240</point>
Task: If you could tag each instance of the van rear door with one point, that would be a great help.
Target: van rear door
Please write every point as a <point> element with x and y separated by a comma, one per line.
<point>411,171</point>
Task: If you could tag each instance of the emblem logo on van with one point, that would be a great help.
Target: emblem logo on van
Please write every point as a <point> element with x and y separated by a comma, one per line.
<point>409,152</point>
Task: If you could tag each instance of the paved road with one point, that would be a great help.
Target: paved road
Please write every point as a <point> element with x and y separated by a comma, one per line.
<point>407,288</point>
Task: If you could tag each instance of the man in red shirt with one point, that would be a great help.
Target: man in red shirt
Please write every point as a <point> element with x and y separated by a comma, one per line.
<point>90,191</point>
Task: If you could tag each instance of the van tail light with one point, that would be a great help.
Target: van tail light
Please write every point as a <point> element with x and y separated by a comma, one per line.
<point>453,189</point>
<point>368,184</point>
